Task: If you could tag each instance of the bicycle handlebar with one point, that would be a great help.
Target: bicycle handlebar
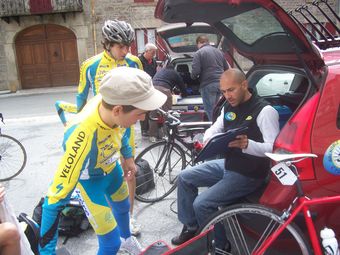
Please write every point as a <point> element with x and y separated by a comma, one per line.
<point>170,115</point>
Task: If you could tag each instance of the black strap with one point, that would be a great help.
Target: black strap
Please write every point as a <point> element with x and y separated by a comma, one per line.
<point>48,236</point>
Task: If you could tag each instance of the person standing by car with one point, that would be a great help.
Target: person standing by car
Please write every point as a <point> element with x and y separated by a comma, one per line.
<point>117,38</point>
<point>245,166</point>
<point>149,66</point>
<point>165,80</point>
<point>148,59</point>
<point>94,140</point>
<point>208,64</point>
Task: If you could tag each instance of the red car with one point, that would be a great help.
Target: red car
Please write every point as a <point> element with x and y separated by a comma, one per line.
<point>298,72</point>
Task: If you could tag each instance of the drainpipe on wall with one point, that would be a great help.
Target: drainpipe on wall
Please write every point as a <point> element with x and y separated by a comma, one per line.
<point>94,34</point>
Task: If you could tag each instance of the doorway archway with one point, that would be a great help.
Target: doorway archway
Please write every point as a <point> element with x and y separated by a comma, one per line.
<point>47,56</point>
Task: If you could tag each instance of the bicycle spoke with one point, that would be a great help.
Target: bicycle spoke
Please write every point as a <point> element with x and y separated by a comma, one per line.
<point>246,227</point>
<point>220,251</point>
<point>238,236</point>
<point>166,161</point>
<point>12,157</point>
<point>270,229</point>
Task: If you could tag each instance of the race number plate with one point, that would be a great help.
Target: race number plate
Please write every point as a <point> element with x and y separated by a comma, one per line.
<point>284,174</point>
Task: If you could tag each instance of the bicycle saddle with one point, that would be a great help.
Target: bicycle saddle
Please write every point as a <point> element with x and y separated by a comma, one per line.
<point>282,157</point>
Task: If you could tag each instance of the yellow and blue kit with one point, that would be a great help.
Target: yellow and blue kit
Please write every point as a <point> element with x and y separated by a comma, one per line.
<point>90,168</point>
<point>92,72</point>
<point>94,69</point>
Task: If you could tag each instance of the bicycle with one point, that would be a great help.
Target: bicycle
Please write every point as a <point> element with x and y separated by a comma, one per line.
<point>255,229</point>
<point>13,156</point>
<point>168,157</point>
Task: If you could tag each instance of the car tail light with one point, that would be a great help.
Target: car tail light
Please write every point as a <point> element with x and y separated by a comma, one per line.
<point>295,136</point>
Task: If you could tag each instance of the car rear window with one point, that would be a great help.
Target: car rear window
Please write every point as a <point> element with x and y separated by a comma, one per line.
<point>279,87</point>
<point>189,41</point>
<point>275,84</point>
<point>252,25</point>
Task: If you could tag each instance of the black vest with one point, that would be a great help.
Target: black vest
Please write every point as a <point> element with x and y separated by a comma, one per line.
<point>149,68</point>
<point>246,114</point>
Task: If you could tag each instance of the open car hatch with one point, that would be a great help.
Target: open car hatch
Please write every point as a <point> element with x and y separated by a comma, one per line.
<point>260,30</point>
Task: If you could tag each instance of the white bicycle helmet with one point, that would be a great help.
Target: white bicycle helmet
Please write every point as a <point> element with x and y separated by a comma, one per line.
<point>116,31</point>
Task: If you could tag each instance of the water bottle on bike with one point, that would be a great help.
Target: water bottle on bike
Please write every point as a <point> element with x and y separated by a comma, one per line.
<point>198,142</point>
<point>329,242</point>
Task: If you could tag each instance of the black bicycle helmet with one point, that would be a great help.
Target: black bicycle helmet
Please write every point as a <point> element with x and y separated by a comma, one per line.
<point>116,31</point>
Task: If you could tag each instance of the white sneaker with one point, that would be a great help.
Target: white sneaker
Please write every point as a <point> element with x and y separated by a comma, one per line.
<point>131,245</point>
<point>135,228</point>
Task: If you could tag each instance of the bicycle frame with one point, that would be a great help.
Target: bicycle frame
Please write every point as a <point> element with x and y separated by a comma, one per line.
<point>302,205</point>
<point>174,136</point>
<point>167,149</point>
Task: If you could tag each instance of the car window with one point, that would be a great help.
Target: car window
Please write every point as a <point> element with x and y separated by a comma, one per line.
<point>189,40</point>
<point>252,25</point>
<point>275,84</point>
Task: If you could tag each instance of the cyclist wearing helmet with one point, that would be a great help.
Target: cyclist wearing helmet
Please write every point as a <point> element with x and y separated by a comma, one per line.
<point>117,38</point>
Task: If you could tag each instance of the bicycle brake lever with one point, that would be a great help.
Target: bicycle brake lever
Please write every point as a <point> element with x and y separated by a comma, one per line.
<point>176,114</point>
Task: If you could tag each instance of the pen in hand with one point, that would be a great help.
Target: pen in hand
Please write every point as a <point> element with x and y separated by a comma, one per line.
<point>240,142</point>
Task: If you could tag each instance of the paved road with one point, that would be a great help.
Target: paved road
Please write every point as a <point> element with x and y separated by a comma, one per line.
<point>30,116</point>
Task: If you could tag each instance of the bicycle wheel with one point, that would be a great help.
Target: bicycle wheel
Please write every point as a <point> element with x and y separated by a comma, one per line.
<point>165,170</point>
<point>13,157</point>
<point>246,226</point>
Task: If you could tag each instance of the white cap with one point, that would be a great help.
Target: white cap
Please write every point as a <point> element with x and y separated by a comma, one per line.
<point>131,86</point>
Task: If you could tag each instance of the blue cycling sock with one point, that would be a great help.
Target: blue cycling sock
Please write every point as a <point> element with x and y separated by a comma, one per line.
<point>121,212</point>
<point>109,243</point>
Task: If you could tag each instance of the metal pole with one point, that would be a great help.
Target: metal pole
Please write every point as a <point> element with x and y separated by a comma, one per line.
<point>94,34</point>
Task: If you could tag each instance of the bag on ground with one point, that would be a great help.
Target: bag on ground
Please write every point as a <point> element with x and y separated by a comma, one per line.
<point>72,219</point>
<point>144,177</point>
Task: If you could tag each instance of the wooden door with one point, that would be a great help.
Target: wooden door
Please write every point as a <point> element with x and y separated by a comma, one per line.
<point>47,57</point>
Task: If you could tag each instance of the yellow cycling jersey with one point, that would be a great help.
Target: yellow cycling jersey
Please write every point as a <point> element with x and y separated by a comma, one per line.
<point>91,150</point>
<point>94,69</point>
<point>90,166</point>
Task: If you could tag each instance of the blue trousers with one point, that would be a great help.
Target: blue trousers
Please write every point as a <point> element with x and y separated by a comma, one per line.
<point>224,187</point>
<point>210,95</point>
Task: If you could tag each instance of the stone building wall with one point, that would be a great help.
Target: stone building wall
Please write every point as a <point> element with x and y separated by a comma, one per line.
<point>139,15</point>
<point>86,26</point>
<point>74,22</point>
<point>3,66</point>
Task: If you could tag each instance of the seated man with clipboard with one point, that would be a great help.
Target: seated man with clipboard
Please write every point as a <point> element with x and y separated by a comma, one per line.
<point>250,125</point>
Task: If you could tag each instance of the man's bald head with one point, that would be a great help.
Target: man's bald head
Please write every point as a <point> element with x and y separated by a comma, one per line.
<point>234,87</point>
<point>234,75</point>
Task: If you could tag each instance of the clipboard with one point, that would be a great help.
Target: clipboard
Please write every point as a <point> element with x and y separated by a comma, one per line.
<point>218,144</point>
